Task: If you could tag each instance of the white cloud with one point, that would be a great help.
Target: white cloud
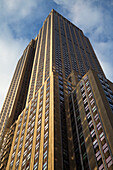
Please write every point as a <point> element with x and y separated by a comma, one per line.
<point>80,15</point>
<point>18,9</point>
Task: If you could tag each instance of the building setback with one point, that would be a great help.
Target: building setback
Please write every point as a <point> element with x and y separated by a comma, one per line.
<point>58,112</point>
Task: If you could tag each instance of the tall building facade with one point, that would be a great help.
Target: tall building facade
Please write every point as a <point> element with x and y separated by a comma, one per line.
<point>16,97</point>
<point>60,104</point>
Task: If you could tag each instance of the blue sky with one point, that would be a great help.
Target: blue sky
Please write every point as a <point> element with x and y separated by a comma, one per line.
<point>21,20</point>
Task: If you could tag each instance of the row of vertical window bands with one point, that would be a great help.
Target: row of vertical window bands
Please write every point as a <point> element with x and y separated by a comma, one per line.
<point>78,121</point>
<point>14,150</point>
<point>16,140</point>
<point>101,135</point>
<point>75,138</point>
<point>29,137</point>
<point>45,147</point>
<point>107,90</point>
<point>81,136</point>
<point>37,144</point>
<point>92,133</point>
<point>5,151</point>
<point>63,126</point>
<point>37,147</point>
<point>99,126</point>
<point>61,92</point>
<point>69,87</point>
<point>21,140</point>
<point>46,131</point>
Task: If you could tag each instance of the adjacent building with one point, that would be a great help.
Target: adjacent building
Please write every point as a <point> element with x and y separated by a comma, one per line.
<point>16,96</point>
<point>60,104</point>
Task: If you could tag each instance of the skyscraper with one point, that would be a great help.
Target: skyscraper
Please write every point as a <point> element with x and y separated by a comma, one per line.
<point>16,97</point>
<point>60,111</point>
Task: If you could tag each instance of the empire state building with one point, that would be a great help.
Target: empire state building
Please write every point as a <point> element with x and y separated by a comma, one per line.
<point>58,112</point>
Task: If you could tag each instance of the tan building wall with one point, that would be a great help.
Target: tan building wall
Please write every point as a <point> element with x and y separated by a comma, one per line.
<point>96,117</point>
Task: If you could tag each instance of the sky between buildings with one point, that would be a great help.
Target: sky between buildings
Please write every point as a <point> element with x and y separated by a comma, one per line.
<point>21,20</point>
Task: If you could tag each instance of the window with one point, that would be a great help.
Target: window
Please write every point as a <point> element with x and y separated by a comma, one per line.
<point>15,147</point>
<point>96,117</point>
<point>61,98</point>
<point>110,163</point>
<point>87,83</point>
<point>33,118</point>
<point>108,159</point>
<point>88,89</point>
<point>83,94</point>
<point>36,155</point>
<point>98,124</point>
<point>47,105</point>
<point>17,162</point>
<point>88,115</point>
<point>98,153</point>
<point>38,129</point>
<point>61,86</point>
<point>11,164</point>
<point>45,165</point>
<point>90,94</point>
<point>20,146</point>
<point>94,109</point>
<point>106,150</point>
<point>46,135</point>
<point>37,146</point>
<point>25,152</point>
<point>24,161</point>
<point>45,154</point>
<point>18,132</point>
<point>47,100</point>
<point>31,137</point>
<point>92,101</point>
<point>40,109</point>
<point>30,146</point>
<point>16,139</point>
<point>13,154</point>
<point>29,155</point>
<point>39,122</point>
<point>47,112</point>
<point>24,124</point>
<point>39,115</point>
<point>104,146</point>
<point>35,166</point>
<point>46,127</point>
<point>21,138</point>
<point>46,119</point>
<point>26,144</point>
<point>32,125</point>
<point>45,144</point>
<point>19,153</point>
<point>38,137</point>
<point>99,157</point>
<point>27,136</point>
